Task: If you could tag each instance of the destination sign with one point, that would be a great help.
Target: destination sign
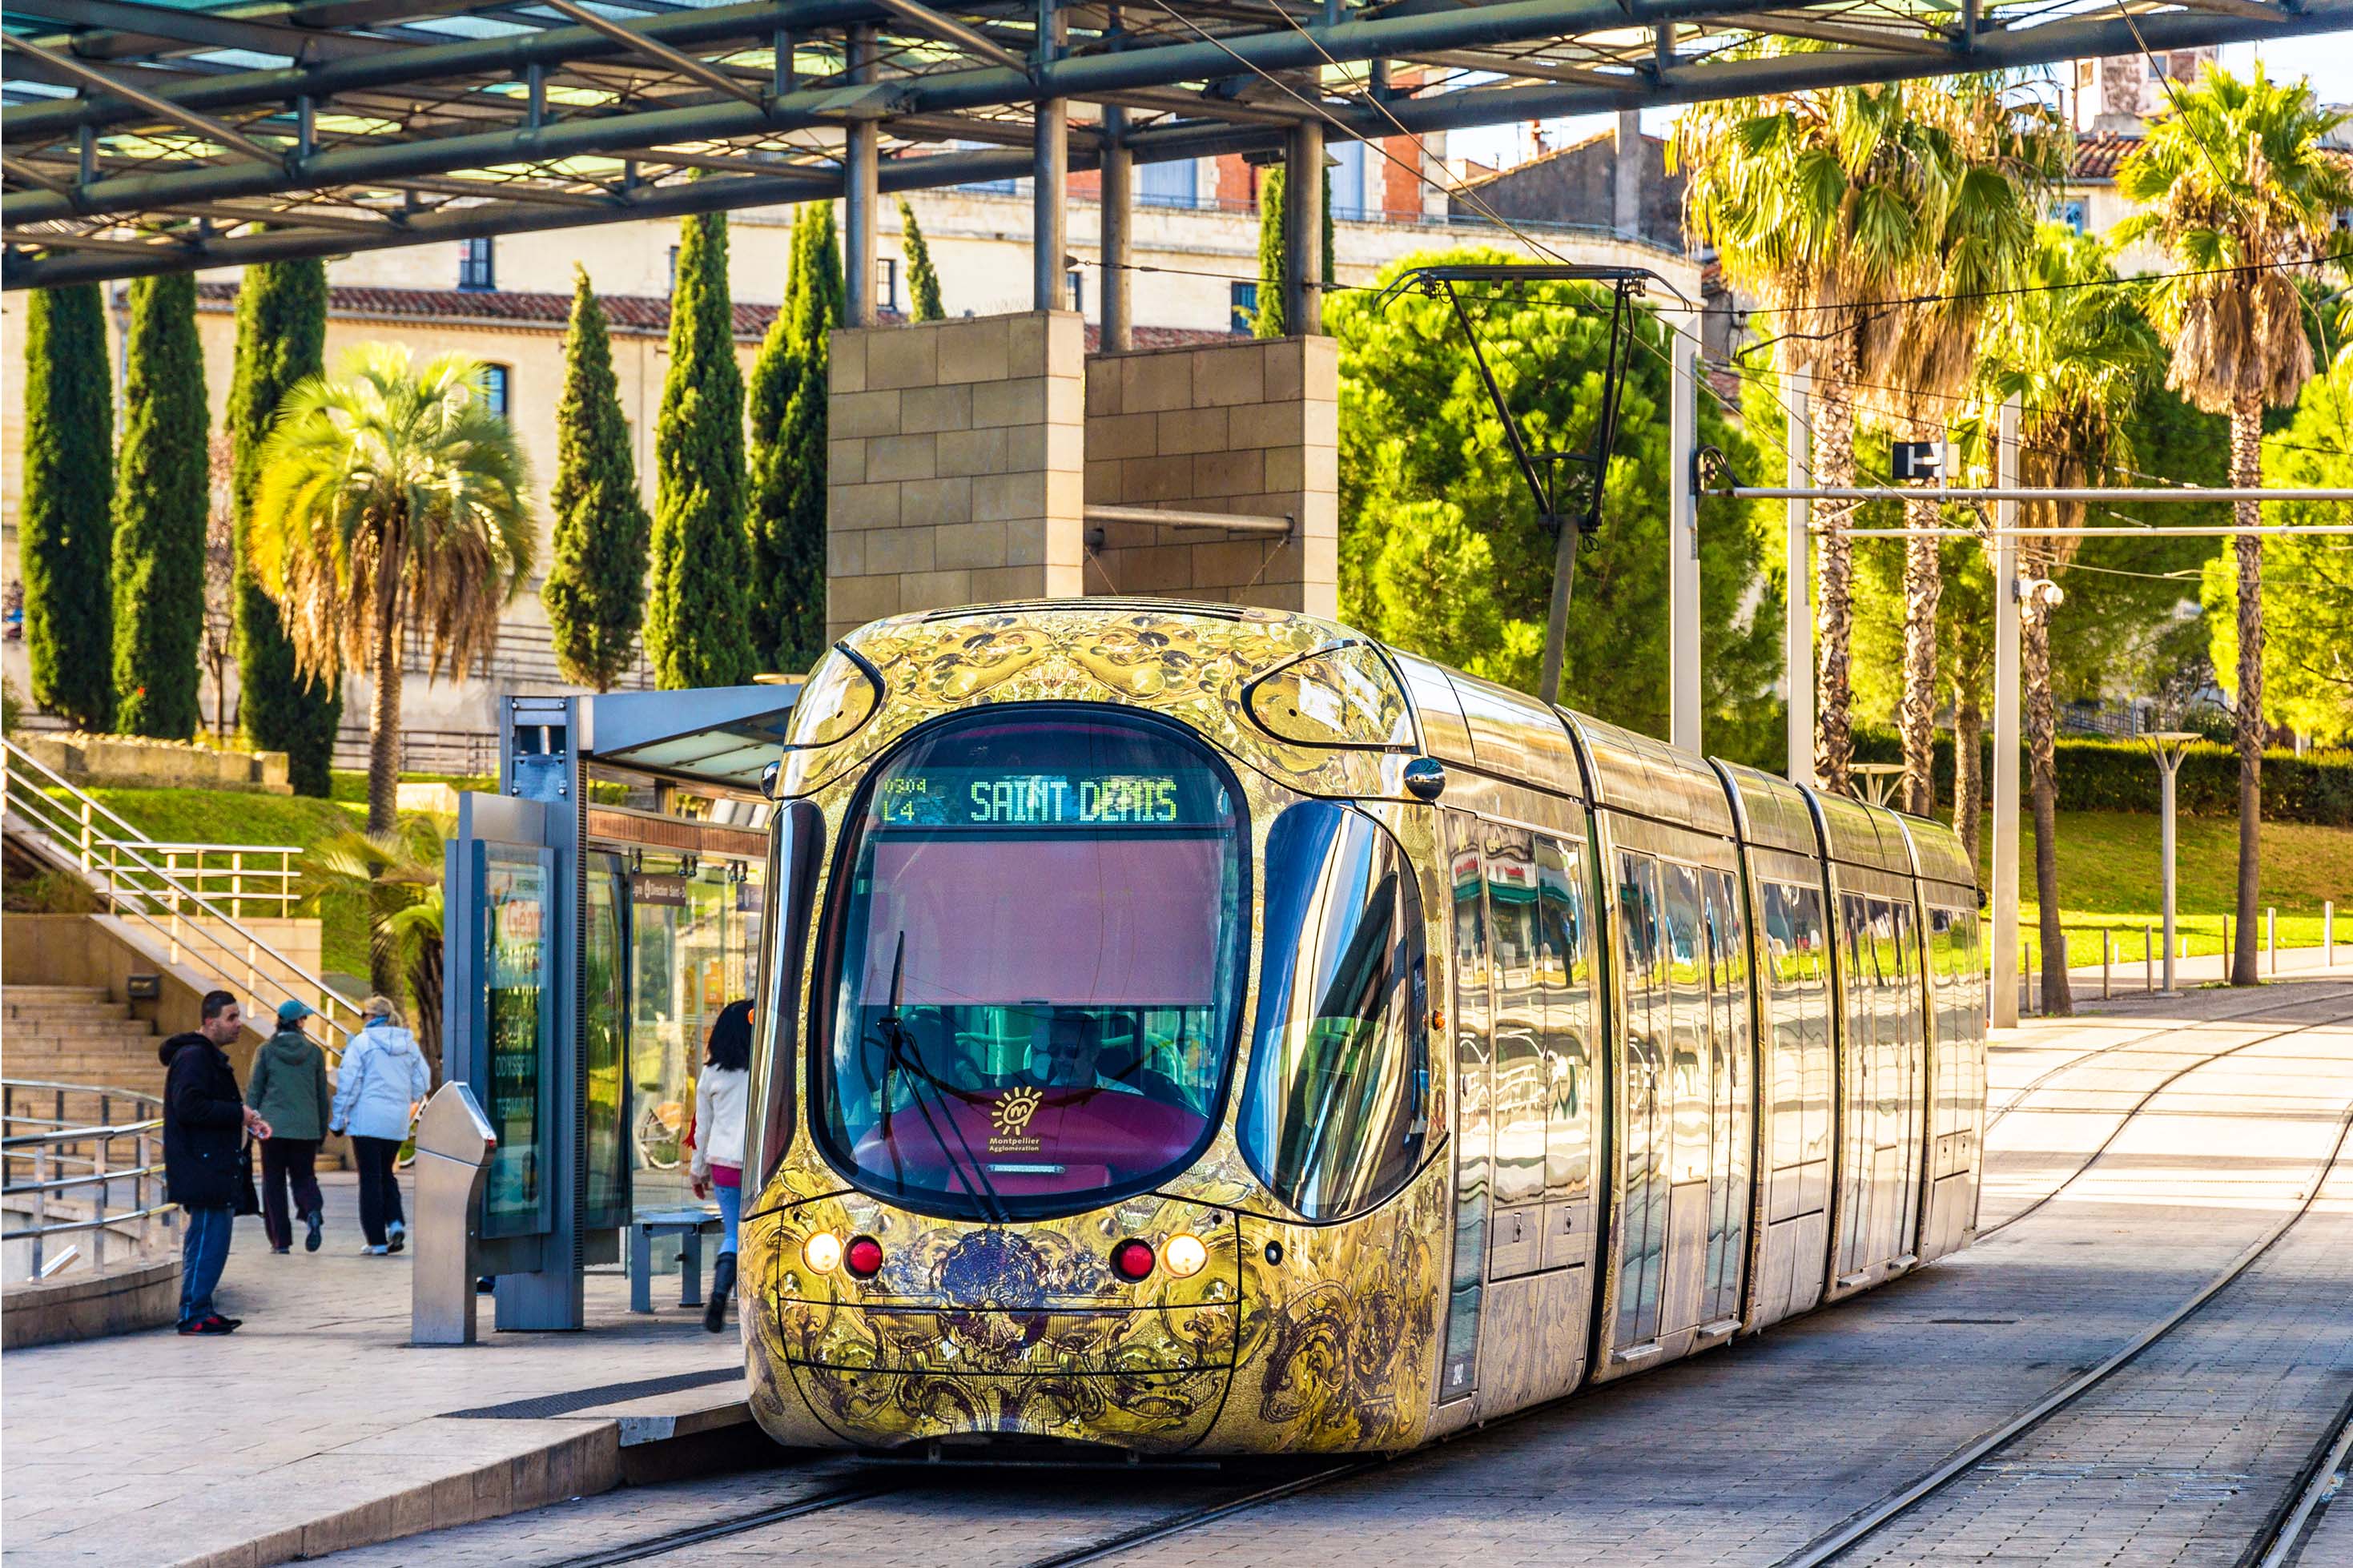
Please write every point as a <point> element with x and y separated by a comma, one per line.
<point>979,797</point>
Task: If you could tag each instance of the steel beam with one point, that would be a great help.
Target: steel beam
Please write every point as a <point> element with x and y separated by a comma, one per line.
<point>1118,235</point>
<point>1302,231</point>
<point>168,28</point>
<point>969,39</point>
<point>98,80</point>
<point>655,50</point>
<point>861,171</point>
<point>1049,172</point>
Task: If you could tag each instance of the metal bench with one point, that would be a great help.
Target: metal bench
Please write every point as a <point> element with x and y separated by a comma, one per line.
<point>689,1226</point>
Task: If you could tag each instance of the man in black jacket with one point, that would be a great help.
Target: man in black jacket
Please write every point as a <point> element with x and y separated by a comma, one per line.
<point>205,1123</point>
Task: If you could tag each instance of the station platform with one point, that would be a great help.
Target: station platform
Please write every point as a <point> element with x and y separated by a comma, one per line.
<point>317,1427</point>
<point>2138,1152</point>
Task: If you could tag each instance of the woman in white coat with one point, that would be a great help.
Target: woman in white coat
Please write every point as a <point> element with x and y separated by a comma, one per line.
<point>377,1087</point>
<point>720,1096</point>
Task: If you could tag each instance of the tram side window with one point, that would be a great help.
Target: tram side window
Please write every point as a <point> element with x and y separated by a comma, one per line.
<point>1332,1119</point>
<point>794,854</point>
<point>1567,968</point>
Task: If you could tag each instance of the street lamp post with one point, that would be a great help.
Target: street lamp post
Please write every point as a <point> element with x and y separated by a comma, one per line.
<point>2168,746</point>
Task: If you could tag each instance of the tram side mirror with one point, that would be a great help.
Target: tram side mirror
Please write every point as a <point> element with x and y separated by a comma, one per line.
<point>768,779</point>
<point>1425,778</point>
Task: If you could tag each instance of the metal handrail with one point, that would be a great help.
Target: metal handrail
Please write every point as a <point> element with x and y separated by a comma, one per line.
<point>42,811</point>
<point>55,1148</point>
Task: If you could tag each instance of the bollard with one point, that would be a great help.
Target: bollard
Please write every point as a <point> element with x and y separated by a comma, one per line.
<point>2107,945</point>
<point>454,1142</point>
<point>2148,957</point>
<point>2328,935</point>
<point>2227,949</point>
<point>2271,934</point>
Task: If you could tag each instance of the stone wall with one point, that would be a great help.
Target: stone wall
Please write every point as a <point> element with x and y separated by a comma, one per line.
<point>954,474</point>
<point>1247,426</point>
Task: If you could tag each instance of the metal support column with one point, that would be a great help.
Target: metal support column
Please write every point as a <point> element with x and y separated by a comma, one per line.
<point>861,168</point>
<point>1118,231</point>
<point>1798,632</point>
<point>2004,891</point>
<point>1050,232</point>
<point>1302,231</point>
<point>1682,536</point>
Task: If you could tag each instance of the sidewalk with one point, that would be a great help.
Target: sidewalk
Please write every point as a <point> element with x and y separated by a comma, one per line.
<point>316,1427</point>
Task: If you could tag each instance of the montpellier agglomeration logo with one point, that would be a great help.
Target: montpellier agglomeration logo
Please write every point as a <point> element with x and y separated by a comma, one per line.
<point>1012,1113</point>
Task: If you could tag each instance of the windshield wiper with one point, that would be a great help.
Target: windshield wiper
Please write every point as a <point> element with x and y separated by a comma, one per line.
<point>901,1052</point>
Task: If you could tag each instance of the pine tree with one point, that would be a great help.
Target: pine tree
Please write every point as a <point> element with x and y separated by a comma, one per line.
<point>922,277</point>
<point>161,495</point>
<point>789,393</point>
<point>594,591</point>
<point>65,521</point>
<point>696,613</point>
<point>281,340</point>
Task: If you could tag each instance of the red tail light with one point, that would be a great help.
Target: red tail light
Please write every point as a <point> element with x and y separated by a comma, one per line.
<point>863,1256</point>
<point>1132,1259</point>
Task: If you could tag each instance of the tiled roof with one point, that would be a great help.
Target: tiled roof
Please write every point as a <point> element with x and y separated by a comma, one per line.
<point>2096,156</point>
<point>633,315</point>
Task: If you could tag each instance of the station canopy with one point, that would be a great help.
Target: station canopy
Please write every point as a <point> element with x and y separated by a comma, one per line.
<point>139,137</point>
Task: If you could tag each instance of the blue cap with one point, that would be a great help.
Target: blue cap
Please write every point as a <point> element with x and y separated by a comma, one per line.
<point>292,1012</point>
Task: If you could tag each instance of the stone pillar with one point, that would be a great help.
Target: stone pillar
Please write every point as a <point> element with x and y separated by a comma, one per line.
<point>955,471</point>
<point>1247,426</point>
<point>1626,175</point>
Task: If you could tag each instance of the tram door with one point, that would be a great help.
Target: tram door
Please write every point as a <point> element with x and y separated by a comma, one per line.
<point>1642,1130</point>
<point>1884,1084</point>
<point>1475,1120</point>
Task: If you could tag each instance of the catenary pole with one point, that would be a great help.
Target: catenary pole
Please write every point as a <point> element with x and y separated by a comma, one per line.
<point>1797,633</point>
<point>1682,537</point>
<point>2004,988</point>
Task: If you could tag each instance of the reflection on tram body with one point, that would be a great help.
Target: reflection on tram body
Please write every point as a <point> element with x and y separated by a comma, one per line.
<point>1147,1066</point>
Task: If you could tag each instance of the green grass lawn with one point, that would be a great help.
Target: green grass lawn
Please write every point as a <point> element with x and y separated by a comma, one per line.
<point>2109,879</point>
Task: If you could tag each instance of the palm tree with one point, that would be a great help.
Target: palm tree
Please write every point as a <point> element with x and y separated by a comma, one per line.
<point>1828,203</point>
<point>1997,153</point>
<point>2237,186</point>
<point>395,880</point>
<point>392,504</point>
<point>2077,354</point>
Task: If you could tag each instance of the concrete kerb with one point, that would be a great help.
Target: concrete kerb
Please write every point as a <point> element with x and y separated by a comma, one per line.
<point>582,1456</point>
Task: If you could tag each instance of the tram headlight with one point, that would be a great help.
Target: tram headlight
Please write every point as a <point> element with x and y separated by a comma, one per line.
<point>1184,1254</point>
<point>822,1251</point>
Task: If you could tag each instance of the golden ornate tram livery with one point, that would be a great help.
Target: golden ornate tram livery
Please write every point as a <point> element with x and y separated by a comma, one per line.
<point>1189,1029</point>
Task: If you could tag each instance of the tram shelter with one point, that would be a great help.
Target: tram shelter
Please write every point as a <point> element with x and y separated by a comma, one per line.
<point>603,906</point>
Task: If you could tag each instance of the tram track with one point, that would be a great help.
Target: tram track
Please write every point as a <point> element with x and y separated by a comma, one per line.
<point>2298,1513</point>
<point>1987,1232</point>
<point>1859,1528</point>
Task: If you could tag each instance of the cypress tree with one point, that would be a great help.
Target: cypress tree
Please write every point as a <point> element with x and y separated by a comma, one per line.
<point>64,519</point>
<point>789,393</point>
<point>1268,320</point>
<point>594,591</point>
<point>922,277</point>
<point>281,340</point>
<point>162,495</point>
<point>696,631</point>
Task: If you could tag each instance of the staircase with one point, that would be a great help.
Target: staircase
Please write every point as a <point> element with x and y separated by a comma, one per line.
<point>76,1034</point>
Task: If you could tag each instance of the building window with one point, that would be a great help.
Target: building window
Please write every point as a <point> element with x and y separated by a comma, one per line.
<point>2074,214</point>
<point>474,269</point>
<point>1077,290</point>
<point>1242,299</point>
<point>1350,184</point>
<point>673,269</point>
<point>494,388</point>
<point>890,284</point>
<point>1168,184</point>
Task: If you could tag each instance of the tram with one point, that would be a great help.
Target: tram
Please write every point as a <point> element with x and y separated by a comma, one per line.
<point>1198,1029</point>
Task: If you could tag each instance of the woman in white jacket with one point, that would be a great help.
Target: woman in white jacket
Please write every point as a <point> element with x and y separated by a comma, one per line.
<point>720,1096</point>
<point>382,1078</point>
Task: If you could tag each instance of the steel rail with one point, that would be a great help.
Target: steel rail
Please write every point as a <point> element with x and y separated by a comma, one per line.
<point>695,1535</point>
<point>1390,37</point>
<point>1193,1519</point>
<point>2125,1121</point>
<point>1835,1542</point>
<point>2284,1536</point>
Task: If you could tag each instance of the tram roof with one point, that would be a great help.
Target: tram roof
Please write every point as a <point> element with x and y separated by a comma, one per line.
<point>150,136</point>
<point>1771,809</point>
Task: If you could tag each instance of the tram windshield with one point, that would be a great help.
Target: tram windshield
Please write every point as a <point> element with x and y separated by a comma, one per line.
<point>1038,967</point>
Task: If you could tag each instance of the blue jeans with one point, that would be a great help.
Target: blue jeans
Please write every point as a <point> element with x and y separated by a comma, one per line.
<point>202,1254</point>
<point>731,1210</point>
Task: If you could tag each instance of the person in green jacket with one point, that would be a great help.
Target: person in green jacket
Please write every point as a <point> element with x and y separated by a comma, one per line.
<point>288,1087</point>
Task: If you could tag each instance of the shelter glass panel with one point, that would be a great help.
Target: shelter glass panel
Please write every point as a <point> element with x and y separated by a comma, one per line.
<point>694,938</point>
<point>605,1029</point>
<point>515,901</point>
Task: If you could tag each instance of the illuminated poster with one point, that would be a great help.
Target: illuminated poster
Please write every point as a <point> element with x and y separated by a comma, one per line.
<point>515,905</point>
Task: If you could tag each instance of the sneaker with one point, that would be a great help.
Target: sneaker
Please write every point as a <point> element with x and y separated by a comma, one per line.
<point>372,1251</point>
<point>395,1235</point>
<point>311,1242</point>
<point>232,1322</point>
<point>279,1251</point>
<point>213,1324</point>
